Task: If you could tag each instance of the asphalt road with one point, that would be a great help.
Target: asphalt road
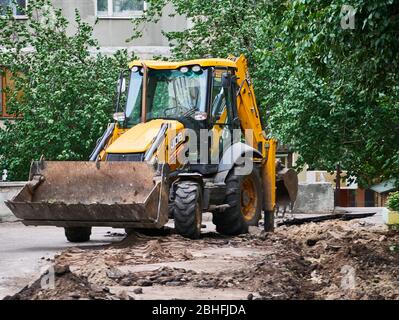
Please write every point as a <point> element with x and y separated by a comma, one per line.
<point>25,252</point>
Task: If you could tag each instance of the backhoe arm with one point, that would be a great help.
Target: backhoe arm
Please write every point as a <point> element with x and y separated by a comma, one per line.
<point>248,113</point>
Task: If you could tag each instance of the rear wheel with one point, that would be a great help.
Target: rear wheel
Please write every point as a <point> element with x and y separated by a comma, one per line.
<point>244,195</point>
<point>188,209</point>
<point>78,234</point>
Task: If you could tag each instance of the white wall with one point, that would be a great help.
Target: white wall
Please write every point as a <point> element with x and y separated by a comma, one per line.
<point>113,32</point>
<point>7,191</point>
<point>315,198</point>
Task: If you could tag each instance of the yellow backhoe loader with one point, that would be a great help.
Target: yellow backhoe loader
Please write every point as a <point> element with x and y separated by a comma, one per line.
<point>187,139</point>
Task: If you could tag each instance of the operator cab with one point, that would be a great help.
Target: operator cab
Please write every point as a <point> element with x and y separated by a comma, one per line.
<point>196,94</point>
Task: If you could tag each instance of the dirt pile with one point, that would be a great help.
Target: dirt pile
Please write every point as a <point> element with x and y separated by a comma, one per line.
<point>66,286</point>
<point>350,260</point>
<point>328,260</point>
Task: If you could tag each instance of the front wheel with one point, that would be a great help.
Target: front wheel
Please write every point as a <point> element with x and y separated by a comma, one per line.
<point>188,209</point>
<point>244,196</point>
<point>77,234</point>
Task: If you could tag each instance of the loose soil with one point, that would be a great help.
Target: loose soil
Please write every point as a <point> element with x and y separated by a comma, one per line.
<point>326,260</point>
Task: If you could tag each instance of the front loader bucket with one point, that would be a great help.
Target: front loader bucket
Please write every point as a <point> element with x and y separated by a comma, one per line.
<point>286,188</point>
<point>115,194</point>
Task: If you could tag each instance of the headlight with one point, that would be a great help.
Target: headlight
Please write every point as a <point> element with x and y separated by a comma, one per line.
<point>196,68</point>
<point>184,69</point>
<point>135,69</point>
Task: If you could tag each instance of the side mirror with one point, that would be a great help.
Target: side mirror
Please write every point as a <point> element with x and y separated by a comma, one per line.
<point>226,80</point>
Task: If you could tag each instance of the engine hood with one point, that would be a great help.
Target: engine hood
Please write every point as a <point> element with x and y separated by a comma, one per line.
<point>139,138</point>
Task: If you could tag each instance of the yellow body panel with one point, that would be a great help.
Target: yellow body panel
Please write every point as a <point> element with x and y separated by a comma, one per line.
<point>154,64</point>
<point>140,137</point>
<point>269,177</point>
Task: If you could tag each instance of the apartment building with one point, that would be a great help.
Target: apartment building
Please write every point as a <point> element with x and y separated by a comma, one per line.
<point>113,28</point>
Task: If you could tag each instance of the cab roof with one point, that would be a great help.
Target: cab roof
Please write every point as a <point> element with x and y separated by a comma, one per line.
<point>214,62</point>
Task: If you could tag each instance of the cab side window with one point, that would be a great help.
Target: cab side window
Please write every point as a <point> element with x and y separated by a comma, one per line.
<point>221,106</point>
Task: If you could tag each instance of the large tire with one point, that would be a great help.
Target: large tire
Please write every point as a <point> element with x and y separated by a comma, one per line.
<point>188,209</point>
<point>78,234</point>
<point>244,195</point>
<point>171,210</point>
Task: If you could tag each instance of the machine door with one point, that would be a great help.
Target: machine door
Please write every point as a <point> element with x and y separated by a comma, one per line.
<point>222,113</point>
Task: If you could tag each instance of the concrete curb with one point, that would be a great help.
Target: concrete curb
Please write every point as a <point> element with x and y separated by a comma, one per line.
<point>8,190</point>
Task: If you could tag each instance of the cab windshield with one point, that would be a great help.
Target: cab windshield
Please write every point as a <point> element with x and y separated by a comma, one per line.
<point>171,94</point>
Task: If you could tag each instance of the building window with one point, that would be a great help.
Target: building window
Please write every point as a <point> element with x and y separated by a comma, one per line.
<point>5,82</point>
<point>120,8</point>
<point>18,10</point>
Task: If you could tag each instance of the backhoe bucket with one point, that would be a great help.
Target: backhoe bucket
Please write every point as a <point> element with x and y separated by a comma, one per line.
<point>115,194</point>
<point>286,189</point>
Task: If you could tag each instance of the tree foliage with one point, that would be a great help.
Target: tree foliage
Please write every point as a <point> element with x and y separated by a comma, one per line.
<point>67,91</point>
<point>329,91</point>
<point>393,201</point>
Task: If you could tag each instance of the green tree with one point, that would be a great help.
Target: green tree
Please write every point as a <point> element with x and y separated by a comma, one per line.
<point>329,91</point>
<point>68,91</point>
